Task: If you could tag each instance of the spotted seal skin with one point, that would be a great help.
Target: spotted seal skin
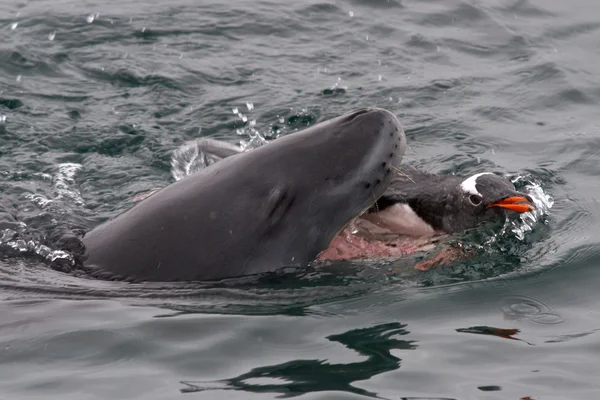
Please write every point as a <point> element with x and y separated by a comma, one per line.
<point>278,205</point>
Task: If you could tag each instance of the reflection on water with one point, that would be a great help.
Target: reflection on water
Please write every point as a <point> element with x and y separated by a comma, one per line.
<point>298,377</point>
<point>498,332</point>
<point>97,99</point>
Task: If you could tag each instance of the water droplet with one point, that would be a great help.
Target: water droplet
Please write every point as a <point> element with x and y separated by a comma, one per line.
<point>90,18</point>
<point>43,251</point>
<point>379,77</point>
<point>351,13</point>
<point>2,119</point>
<point>13,26</point>
<point>7,234</point>
<point>367,37</point>
<point>143,29</point>
<point>235,110</point>
<point>244,118</point>
<point>281,120</point>
<point>249,105</point>
<point>20,245</point>
<point>181,56</point>
<point>52,35</point>
<point>19,78</point>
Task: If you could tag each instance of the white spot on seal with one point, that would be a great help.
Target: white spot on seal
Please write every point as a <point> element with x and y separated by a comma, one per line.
<point>469,184</point>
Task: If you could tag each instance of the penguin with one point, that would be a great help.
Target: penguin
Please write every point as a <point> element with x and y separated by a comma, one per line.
<point>420,204</point>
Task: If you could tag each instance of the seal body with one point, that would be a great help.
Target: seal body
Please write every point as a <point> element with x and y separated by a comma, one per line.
<point>278,205</point>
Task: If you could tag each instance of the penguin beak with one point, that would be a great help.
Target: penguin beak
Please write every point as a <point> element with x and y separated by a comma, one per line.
<point>521,204</point>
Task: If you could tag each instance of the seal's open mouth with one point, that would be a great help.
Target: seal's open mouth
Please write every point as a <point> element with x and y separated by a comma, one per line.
<point>392,232</point>
<point>397,231</point>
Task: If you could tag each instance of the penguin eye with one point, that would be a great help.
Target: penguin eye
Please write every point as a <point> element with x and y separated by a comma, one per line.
<point>475,200</point>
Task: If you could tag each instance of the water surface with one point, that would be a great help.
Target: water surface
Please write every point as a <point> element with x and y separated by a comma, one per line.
<point>95,97</point>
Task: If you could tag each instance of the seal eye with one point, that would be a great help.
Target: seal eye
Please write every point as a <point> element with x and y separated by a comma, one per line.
<point>475,200</point>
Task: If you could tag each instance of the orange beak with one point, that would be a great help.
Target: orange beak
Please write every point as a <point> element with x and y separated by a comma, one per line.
<point>514,204</point>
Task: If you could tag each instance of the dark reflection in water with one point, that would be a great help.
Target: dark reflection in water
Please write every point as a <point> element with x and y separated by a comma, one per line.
<point>298,377</point>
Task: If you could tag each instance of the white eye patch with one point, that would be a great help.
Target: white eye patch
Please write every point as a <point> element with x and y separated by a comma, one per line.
<point>469,184</point>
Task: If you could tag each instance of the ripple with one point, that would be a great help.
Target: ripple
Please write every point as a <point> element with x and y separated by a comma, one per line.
<point>529,308</point>
<point>524,8</point>
<point>126,78</point>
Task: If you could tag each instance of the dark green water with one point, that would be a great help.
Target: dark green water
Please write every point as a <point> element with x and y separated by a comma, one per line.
<point>96,96</point>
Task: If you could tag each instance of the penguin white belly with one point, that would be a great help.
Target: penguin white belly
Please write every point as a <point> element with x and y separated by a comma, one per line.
<point>399,219</point>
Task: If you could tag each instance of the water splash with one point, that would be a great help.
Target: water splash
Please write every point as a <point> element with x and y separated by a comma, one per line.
<point>256,139</point>
<point>51,35</point>
<point>516,230</point>
<point>39,200</point>
<point>91,17</point>
<point>11,239</point>
<point>24,240</point>
<point>64,183</point>
<point>13,26</point>
<point>188,159</point>
<point>527,221</point>
<point>198,154</point>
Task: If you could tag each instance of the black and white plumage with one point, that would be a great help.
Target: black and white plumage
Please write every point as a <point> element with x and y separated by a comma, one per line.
<point>417,203</point>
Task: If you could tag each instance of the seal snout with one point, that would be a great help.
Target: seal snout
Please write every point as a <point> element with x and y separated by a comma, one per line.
<point>387,146</point>
<point>357,113</point>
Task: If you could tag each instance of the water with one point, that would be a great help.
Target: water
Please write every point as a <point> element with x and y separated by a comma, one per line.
<point>95,98</point>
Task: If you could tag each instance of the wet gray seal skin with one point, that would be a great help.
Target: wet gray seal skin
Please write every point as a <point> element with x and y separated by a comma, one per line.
<point>254,212</point>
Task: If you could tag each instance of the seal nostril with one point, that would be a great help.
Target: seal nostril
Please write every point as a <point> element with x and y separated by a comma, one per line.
<point>396,146</point>
<point>391,155</point>
<point>356,114</point>
<point>378,181</point>
<point>387,171</point>
<point>383,164</point>
<point>367,185</point>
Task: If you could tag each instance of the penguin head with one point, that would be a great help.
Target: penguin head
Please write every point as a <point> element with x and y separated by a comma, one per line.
<point>479,198</point>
